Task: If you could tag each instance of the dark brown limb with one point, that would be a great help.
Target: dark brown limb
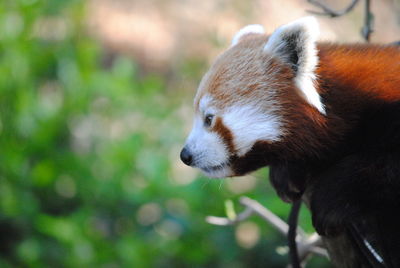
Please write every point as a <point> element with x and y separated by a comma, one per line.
<point>293,218</point>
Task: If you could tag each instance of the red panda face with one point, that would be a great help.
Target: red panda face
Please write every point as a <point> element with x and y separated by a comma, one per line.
<point>242,102</point>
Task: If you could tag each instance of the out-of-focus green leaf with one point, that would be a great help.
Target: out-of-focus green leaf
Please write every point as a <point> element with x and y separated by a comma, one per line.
<point>90,174</point>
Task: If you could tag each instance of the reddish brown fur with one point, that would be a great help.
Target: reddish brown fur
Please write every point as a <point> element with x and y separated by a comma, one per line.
<point>369,71</point>
<point>225,134</point>
<point>232,75</point>
<point>349,77</point>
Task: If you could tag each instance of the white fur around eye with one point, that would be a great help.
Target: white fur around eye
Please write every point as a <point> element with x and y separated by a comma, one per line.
<point>204,104</point>
<point>207,147</point>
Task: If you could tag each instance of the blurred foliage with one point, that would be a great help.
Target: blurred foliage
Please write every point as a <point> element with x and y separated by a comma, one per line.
<point>87,157</point>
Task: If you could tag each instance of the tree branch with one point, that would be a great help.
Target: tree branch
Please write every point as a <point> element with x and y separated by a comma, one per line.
<point>367,28</point>
<point>368,21</point>
<point>327,11</point>
<point>306,244</point>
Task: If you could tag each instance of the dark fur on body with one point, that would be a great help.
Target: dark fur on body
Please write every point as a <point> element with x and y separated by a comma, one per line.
<point>324,117</point>
<point>353,151</point>
<point>349,160</point>
<point>355,191</point>
<point>355,184</point>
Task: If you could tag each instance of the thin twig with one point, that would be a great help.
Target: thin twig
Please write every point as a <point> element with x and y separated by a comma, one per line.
<point>329,11</point>
<point>307,244</point>
<point>314,245</point>
<point>226,221</point>
<point>367,29</point>
<point>252,207</point>
<point>266,214</point>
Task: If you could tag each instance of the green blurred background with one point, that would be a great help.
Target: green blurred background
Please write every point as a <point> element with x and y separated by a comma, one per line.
<point>95,104</point>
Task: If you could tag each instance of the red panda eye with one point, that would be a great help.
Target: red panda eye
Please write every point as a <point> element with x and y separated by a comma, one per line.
<point>208,120</point>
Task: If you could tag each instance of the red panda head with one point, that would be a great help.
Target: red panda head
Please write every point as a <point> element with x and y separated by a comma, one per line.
<point>254,99</point>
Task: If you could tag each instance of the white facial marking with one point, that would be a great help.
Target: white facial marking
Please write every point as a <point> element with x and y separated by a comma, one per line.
<point>308,31</point>
<point>209,151</point>
<point>252,28</point>
<point>249,124</point>
<point>204,104</point>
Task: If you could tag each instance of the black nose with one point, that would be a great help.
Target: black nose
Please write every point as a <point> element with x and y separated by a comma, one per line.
<point>186,156</point>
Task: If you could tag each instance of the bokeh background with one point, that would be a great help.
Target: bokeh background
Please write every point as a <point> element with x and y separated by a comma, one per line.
<point>95,104</point>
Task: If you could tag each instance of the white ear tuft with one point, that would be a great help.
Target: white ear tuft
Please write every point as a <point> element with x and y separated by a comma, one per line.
<point>295,44</point>
<point>249,29</point>
<point>305,30</point>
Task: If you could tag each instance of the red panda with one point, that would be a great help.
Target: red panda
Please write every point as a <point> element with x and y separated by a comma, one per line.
<point>323,116</point>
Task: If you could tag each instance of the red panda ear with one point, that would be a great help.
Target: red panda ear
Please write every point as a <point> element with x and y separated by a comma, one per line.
<point>249,29</point>
<point>295,44</point>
